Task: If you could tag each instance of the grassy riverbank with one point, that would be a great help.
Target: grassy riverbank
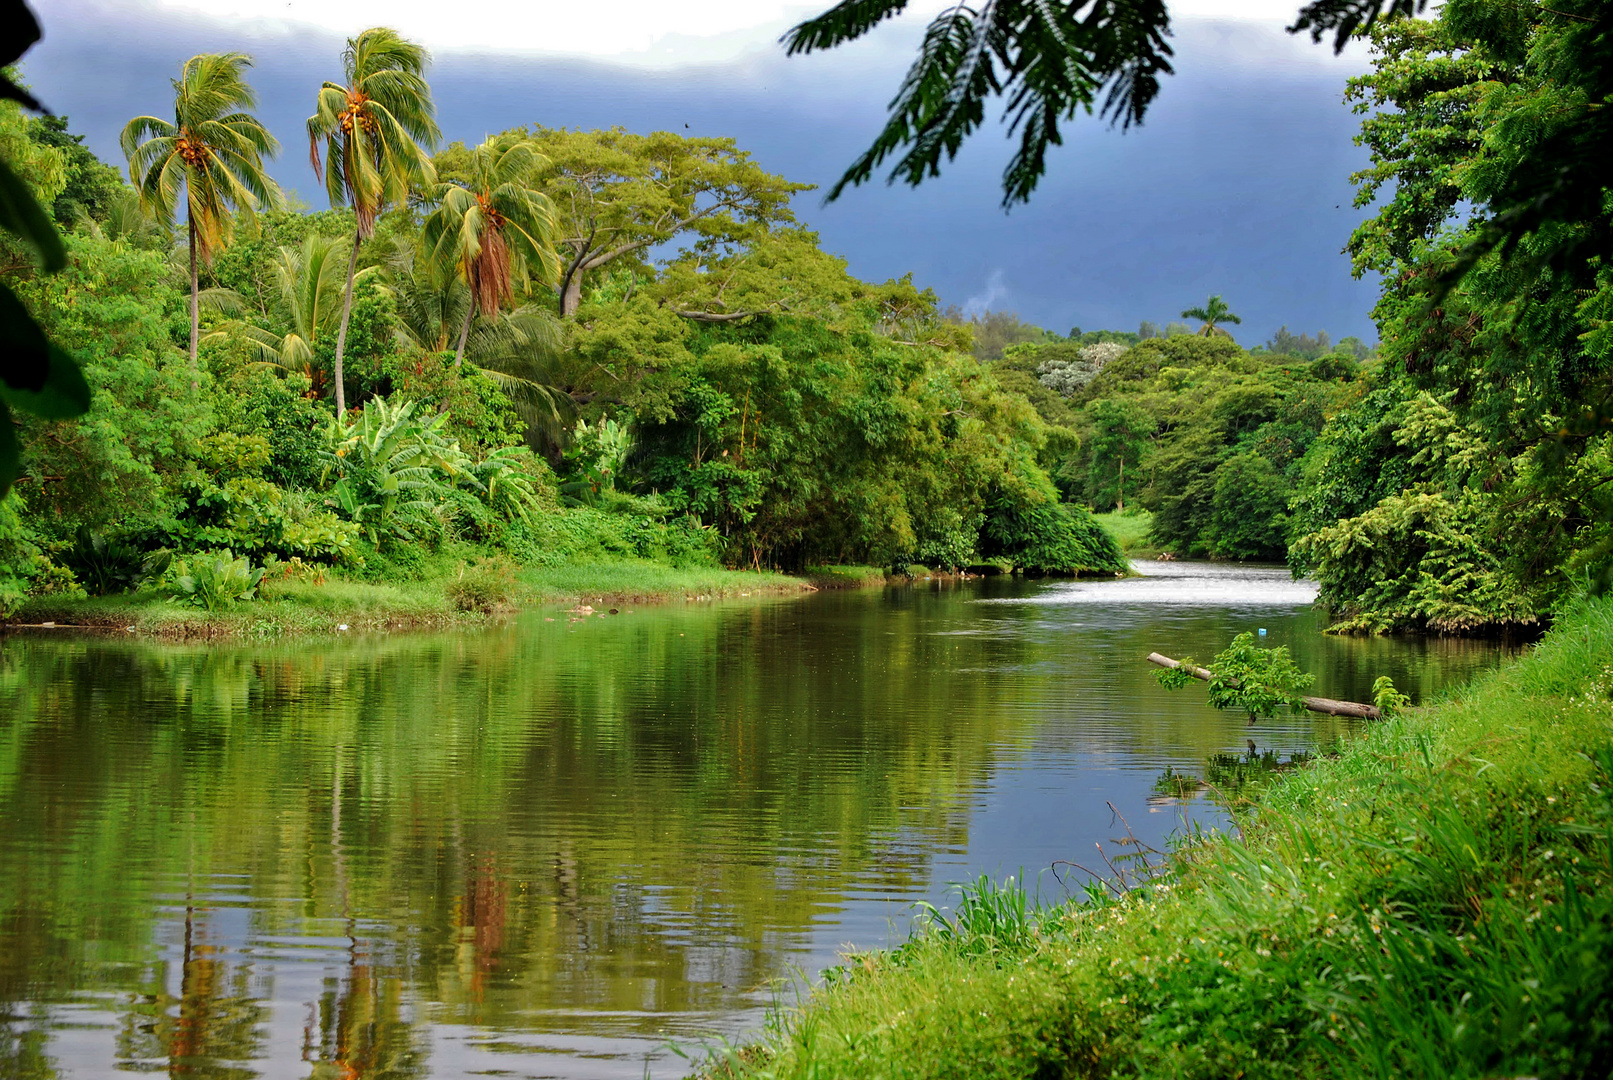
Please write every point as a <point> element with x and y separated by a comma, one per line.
<point>447,591</point>
<point>1130,531</point>
<point>1431,901</point>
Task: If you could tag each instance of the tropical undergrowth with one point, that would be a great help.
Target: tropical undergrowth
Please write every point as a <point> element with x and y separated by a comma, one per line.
<point>1431,900</point>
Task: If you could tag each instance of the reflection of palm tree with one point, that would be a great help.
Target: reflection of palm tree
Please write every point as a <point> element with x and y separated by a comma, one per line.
<point>495,229</point>
<point>212,1019</point>
<point>358,1030</point>
<point>210,149</point>
<point>484,912</point>
<point>1214,312</point>
<point>372,129</point>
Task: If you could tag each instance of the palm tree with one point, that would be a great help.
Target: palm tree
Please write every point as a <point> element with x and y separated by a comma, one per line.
<point>308,297</point>
<point>519,350</point>
<point>494,229</point>
<point>372,128</point>
<point>1214,311</point>
<point>212,150</point>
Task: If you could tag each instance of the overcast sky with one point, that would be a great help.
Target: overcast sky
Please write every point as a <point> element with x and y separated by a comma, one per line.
<point>1236,184</point>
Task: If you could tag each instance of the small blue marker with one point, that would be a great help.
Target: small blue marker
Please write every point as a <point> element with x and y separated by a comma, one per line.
<point>1262,631</point>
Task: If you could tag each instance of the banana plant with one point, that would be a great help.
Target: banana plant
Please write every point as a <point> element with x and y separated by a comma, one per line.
<point>392,463</point>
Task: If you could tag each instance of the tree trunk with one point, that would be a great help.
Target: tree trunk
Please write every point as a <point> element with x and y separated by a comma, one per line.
<point>464,332</point>
<point>195,292</point>
<point>571,298</point>
<point>1122,497</point>
<point>341,333</point>
<point>1314,704</point>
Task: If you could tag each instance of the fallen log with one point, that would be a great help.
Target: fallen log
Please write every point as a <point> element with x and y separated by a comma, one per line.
<point>1314,704</point>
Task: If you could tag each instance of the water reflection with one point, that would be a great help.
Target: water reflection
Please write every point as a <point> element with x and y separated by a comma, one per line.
<point>546,849</point>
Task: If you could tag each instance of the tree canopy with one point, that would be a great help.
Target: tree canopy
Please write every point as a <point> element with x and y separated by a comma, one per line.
<point>620,194</point>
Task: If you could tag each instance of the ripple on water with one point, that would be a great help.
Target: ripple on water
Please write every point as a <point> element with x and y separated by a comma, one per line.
<point>1181,584</point>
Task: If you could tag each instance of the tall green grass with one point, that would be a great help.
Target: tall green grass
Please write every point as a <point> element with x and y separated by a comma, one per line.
<point>642,581</point>
<point>1433,900</point>
<point>1130,530</point>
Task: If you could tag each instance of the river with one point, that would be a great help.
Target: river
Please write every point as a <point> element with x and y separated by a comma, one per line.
<point>572,846</point>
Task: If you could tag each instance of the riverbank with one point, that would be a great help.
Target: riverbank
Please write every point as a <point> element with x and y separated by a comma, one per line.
<point>1130,530</point>
<point>455,592</point>
<point>1430,900</point>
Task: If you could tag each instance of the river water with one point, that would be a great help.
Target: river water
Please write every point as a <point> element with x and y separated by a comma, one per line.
<point>574,846</point>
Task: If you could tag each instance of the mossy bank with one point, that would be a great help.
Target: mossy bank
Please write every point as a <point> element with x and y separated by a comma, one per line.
<point>1430,900</point>
<point>458,592</point>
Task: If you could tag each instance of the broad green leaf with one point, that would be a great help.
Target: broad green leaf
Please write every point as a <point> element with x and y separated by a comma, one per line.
<point>19,30</point>
<point>64,395</point>
<point>21,214</point>
<point>10,451</point>
<point>24,349</point>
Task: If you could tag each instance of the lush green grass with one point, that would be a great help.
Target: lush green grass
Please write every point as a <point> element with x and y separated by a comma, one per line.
<point>1433,900</point>
<point>1130,531</point>
<point>845,577</point>
<point>646,582</point>
<point>446,590</point>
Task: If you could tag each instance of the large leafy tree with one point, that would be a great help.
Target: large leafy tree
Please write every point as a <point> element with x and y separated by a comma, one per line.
<point>212,152</point>
<point>1497,386</point>
<point>372,127</point>
<point>494,229</point>
<point>620,194</point>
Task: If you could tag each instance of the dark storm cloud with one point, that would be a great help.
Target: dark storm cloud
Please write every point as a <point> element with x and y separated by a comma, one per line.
<point>1236,184</point>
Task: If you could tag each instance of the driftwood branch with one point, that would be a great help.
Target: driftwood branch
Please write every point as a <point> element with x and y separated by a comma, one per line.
<point>1314,704</point>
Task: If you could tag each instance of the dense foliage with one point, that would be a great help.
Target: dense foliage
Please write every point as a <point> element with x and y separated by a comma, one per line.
<point>1207,436</point>
<point>1472,487</point>
<point>477,353</point>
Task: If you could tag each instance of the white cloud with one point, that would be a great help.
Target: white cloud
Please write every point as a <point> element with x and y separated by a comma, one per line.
<point>629,30</point>
<point>638,32</point>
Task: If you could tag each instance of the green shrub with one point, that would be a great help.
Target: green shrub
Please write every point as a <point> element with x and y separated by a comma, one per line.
<point>103,565</point>
<point>260,519</point>
<point>1248,512</point>
<point>215,581</point>
<point>25,569</point>
<point>1026,523</point>
<point>484,585</point>
<point>1249,678</point>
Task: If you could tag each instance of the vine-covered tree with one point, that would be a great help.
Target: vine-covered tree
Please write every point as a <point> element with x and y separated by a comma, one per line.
<point>372,128</point>
<point>212,151</point>
<point>1491,421</point>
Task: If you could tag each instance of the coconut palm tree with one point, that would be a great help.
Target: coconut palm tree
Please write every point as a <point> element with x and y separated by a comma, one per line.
<point>372,128</point>
<point>213,150</point>
<point>495,229</point>
<point>519,350</point>
<point>1214,311</point>
<point>308,284</point>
